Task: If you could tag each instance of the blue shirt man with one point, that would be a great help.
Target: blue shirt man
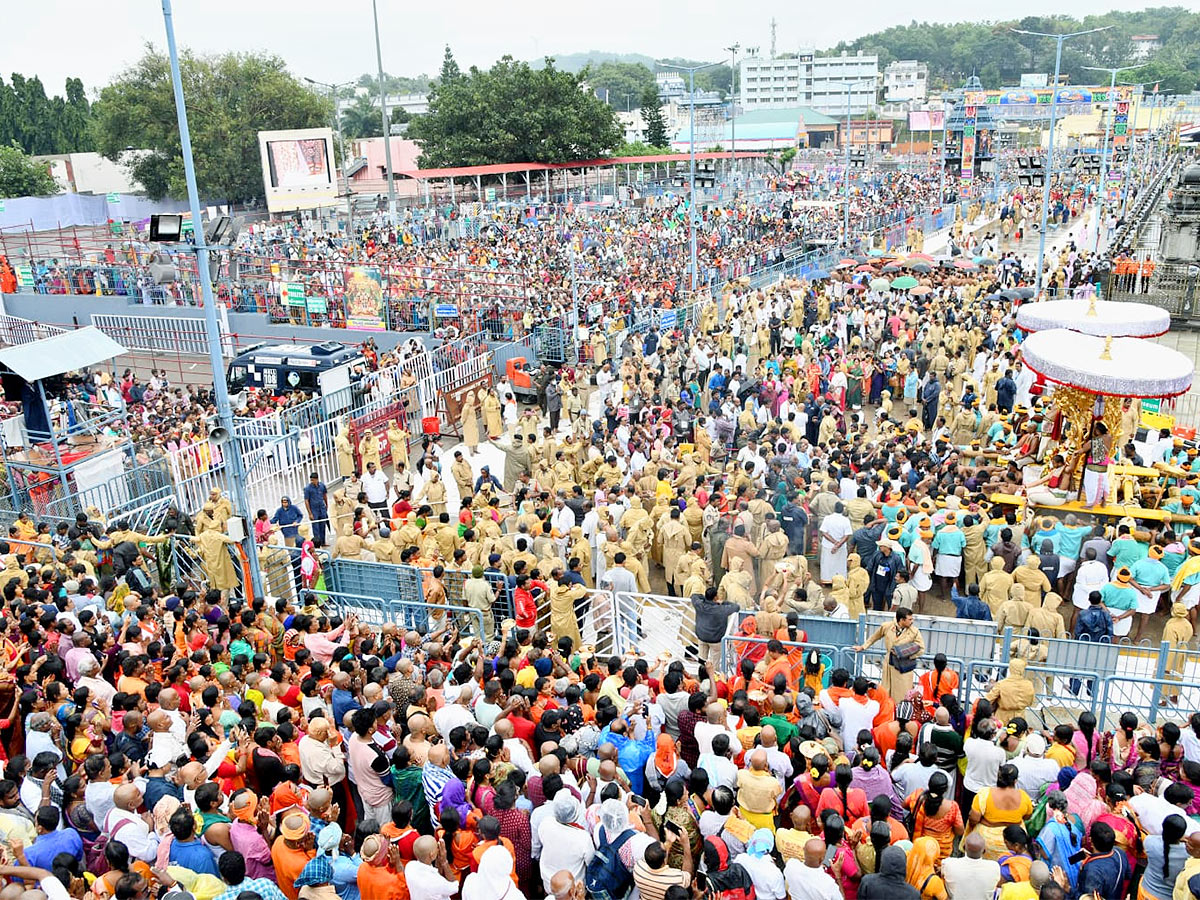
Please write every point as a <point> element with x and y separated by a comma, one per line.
<point>288,518</point>
<point>316,501</point>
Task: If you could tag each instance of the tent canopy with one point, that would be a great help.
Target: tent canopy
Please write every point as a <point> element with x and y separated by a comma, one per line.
<point>61,353</point>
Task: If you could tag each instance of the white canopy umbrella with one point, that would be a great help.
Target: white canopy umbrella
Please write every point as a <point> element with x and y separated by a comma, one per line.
<point>1102,318</point>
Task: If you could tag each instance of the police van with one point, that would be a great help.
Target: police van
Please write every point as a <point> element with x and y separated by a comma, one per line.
<point>275,369</point>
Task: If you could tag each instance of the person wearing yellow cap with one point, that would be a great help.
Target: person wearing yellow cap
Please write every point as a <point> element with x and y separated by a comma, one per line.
<point>1120,598</point>
<point>948,545</point>
<point>1150,579</point>
<point>1186,582</point>
<point>1178,634</point>
<point>920,560</point>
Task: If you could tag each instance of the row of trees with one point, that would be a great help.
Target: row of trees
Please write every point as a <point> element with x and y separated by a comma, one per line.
<point>39,124</point>
<point>998,55</point>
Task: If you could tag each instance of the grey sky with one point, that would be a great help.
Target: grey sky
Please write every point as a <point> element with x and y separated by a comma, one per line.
<point>333,41</point>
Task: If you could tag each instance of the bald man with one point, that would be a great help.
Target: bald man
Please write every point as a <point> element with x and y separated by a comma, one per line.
<point>777,761</point>
<point>758,791</point>
<point>135,831</point>
<point>808,880</point>
<point>430,876</point>
<point>565,886</point>
<point>971,875</point>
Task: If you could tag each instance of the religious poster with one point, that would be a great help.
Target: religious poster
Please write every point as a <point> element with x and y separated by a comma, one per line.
<point>364,300</point>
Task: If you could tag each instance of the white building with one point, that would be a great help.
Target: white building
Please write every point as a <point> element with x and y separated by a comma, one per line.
<point>809,80</point>
<point>1145,45</point>
<point>91,173</point>
<point>905,80</point>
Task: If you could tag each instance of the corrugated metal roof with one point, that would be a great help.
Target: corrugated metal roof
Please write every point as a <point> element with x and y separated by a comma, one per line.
<point>514,168</point>
<point>61,353</point>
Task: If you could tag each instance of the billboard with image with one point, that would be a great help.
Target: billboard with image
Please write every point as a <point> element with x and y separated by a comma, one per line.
<point>299,170</point>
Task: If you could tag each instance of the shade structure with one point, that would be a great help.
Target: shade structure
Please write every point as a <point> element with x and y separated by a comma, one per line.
<point>921,290</point>
<point>881,284</point>
<point>1115,367</point>
<point>904,283</point>
<point>60,353</point>
<point>1096,317</point>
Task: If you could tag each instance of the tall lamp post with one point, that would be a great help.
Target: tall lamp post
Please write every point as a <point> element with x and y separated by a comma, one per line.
<point>1059,39</point>
<point>691,70</point>
<point>212,329</point>
<point>849,86</point>
<point>337,127</point>
<point>387,126</point>
<point>733,52</point>
<point>1109,137</point>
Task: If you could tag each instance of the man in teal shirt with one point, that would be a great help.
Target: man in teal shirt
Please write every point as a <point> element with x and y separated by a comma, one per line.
<point>1127,549</point>
<point>1150,579</point>
<point>1070,540</point>
<point>1120,598</point>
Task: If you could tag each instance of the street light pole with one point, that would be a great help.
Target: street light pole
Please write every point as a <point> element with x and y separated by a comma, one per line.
<point>337,127</point>
<point>212,329</point>
<point>733,51</point>
<point>849,86</point>
<point>387,126</point>
<point>1059,40</point>
<point>1109,137</point>
<point>691,70</point>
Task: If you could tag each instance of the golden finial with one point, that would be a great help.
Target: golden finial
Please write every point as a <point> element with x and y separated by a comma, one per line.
<point>1107,354</point>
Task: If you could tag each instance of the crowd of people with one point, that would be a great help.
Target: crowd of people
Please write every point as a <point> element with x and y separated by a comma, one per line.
<point>809,449</point>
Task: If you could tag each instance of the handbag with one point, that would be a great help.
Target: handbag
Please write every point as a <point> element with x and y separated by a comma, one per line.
<point>903,657</point>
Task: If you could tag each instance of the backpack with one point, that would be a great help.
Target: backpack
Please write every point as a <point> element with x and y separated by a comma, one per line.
<point>93,851</point>
<point>606,877</point>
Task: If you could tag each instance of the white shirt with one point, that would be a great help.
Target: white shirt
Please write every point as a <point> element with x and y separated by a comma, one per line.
<point>804,883</point>
<point>1090,576</point>
<point>98,798</point>
<point>563,847</point>
<point>375,486</point>
<point>1153,810</point>
<point>706,731</point>
<point>970,879</point>
<point>721,769</point>
<point>426,883</point>
<point>984,760</point>
<point>449,717</point>
<point>856,717</point>
<point>1033,772</point>
<point>768,880</point>
<point>135,834</point>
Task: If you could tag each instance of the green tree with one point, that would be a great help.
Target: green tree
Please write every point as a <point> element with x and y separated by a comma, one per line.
<point>656,123</point>
<point>450,70</point>
<point>513,113</point>
<point>620,84</point>
<point>20,176</point>
<point>41,124</point>
<point>638,148</point>
<point>361,119</point>
<point>230,99</point>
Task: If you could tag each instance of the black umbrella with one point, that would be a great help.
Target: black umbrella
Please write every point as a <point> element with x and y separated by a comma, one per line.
<point>922,267</point>
<point>891,267</point>
<point>1025,293</point>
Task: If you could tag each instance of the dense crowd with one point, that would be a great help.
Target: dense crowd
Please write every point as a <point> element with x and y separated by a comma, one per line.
<point>805,450</point>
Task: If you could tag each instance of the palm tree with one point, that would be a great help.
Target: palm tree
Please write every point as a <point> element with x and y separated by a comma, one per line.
<point>361,119</point>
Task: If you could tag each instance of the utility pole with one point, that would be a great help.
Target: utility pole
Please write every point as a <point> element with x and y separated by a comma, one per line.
<point>387,125</point>
<point>1059,39</point>
<point>691,70</point>
<point>849,86</point>
<point>213,331</point>
<point>733,51</point>
<point>337,127</point>
<point>1109,137</point>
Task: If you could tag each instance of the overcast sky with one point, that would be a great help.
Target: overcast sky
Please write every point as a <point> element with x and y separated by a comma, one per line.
<point>328,41</point>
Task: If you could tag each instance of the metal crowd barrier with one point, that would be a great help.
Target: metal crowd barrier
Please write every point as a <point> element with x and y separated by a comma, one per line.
<point>376,611</point>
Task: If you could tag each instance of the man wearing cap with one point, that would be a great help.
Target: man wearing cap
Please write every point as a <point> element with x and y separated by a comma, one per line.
<point>1150,579</point>
<point>1120,599</point>
<point>1034,771</point>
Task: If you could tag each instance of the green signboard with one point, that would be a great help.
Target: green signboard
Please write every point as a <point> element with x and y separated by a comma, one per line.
<point>112,197</point>
<point>316,305</point>
<point>295,293</point>
<point>1152,405</point>
<point>25,276</point>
